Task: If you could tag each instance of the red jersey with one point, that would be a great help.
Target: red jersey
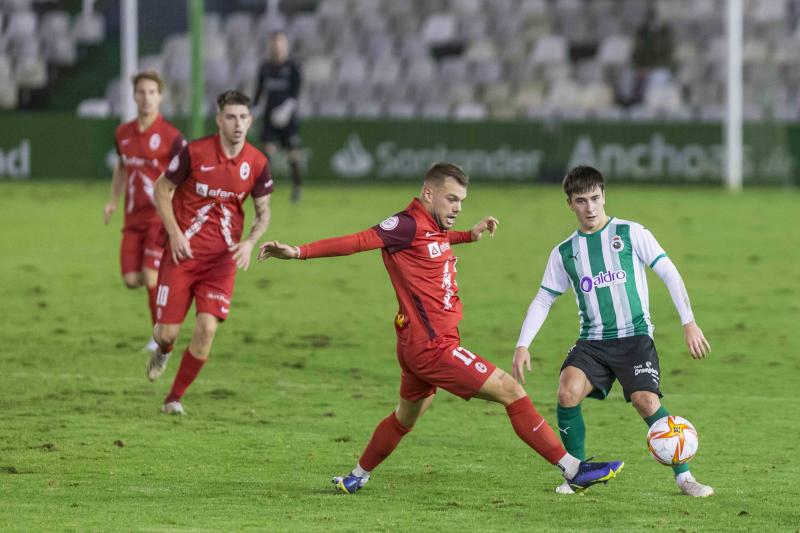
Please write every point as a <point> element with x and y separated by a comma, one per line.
<point>212,189</point>
<point>420,261</point>
<point>144,155</point>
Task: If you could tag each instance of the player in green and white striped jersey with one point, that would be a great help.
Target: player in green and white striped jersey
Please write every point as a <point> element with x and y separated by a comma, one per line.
<point>604,262</point>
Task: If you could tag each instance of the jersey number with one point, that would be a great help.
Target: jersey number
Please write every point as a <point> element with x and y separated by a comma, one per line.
<point>465,355</point>
<point>162,295</point>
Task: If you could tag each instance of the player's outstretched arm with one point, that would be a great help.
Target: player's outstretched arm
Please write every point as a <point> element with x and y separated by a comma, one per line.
<point>534,318</point>
<point>117,183</point>
<point>696,341</point>
<point>333,247</point>
<point>488,224</point>
<point>278,250</point>
<point>162,196</point>
<point>242,250</point>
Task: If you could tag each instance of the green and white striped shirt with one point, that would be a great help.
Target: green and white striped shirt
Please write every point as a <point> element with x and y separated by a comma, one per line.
<point>606,270</point>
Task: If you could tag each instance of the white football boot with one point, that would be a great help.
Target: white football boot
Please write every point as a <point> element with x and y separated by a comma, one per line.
<point>157,364</point>
<point>173,408</point>
<point>564,488</point>
<point>691,487</point>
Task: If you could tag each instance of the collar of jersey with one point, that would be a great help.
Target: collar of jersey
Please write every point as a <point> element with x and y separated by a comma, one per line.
<point>598,232</point>
<point>221,157</point>
<point>417,206</point>
<point>153,125</point>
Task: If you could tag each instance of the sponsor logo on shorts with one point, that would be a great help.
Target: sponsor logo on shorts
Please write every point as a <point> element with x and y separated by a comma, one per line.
<point>647,368</point>
<point>244,170</point>
<point>603,279</point>
<point>390,223</point>
<point>220,298</point>
<point>617,244</point>
<point>155,141</point>
<point>224,310</point>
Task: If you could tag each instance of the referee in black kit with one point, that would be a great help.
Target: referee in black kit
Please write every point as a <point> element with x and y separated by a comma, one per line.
<point>279,81</point>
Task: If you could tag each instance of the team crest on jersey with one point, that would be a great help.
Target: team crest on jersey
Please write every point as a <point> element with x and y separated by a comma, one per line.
<point>173,165</point>
<point>155,141</point>
<point>244,170</point>
<point>390,223</point>
<point>617,244</point>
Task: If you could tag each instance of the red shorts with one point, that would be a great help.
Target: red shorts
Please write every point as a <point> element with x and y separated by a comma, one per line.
<point>442,363</point>
<point>208,281</point>
<point>141,248</point>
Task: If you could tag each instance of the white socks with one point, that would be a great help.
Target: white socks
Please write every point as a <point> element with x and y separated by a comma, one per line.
<point>358,471</point>
<point>569,466</point>
<point>684,477</point>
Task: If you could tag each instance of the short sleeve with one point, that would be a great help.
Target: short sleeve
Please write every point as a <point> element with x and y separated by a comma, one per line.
<point>177,143</point>
<point>397,232</point>
<point>555,279</point>
<point>646,246</point>
<point>263,185</point>
<point>179,167</point>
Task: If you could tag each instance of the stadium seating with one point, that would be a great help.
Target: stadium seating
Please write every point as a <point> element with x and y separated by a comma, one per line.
<point>462,59</point>
<point>34,39</point>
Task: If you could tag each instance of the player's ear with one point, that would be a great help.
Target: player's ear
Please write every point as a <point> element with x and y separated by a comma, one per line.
<point>427,191</point>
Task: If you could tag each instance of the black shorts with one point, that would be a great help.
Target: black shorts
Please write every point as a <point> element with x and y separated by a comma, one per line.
<point>632,360</point>
<point>288,137</point>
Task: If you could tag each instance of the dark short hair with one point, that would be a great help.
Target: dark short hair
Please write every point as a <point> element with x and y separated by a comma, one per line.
<point>151,75</point>
<point>582,179</point>
<point>232,97</point>
<point>437,173</point>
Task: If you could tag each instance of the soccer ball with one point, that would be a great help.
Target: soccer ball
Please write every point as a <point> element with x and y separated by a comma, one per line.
<point>672,440</point>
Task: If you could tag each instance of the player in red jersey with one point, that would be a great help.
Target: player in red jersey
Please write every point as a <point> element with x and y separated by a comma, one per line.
<point>416,245</point>
<point>200,199</point>
<point>145,146</point>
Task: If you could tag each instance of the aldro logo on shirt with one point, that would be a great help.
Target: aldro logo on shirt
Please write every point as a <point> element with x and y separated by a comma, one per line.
<point>603,279</point>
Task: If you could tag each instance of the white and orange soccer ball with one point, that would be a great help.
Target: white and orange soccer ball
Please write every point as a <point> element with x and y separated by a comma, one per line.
<point>672,440</point>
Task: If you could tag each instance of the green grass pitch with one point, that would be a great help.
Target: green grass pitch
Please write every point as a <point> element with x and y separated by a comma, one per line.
<point>305,367</point>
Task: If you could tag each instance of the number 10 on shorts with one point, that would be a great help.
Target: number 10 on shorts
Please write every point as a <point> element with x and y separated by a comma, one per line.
<point>162,295</point>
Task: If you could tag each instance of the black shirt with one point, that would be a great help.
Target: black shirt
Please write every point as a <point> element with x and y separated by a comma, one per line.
<point>280,81</point>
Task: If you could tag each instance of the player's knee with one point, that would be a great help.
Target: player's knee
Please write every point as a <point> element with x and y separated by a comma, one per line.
<point>165,334</point>
<point>205,332</point>
<point>512,390</point>
<point>645,402</point>
<point>568,397</point>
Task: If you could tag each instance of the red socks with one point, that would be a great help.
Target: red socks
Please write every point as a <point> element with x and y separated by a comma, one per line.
<point>531,427</point>
<point>151,300</point>
<point>187,372</point>
<point>383,442</point>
